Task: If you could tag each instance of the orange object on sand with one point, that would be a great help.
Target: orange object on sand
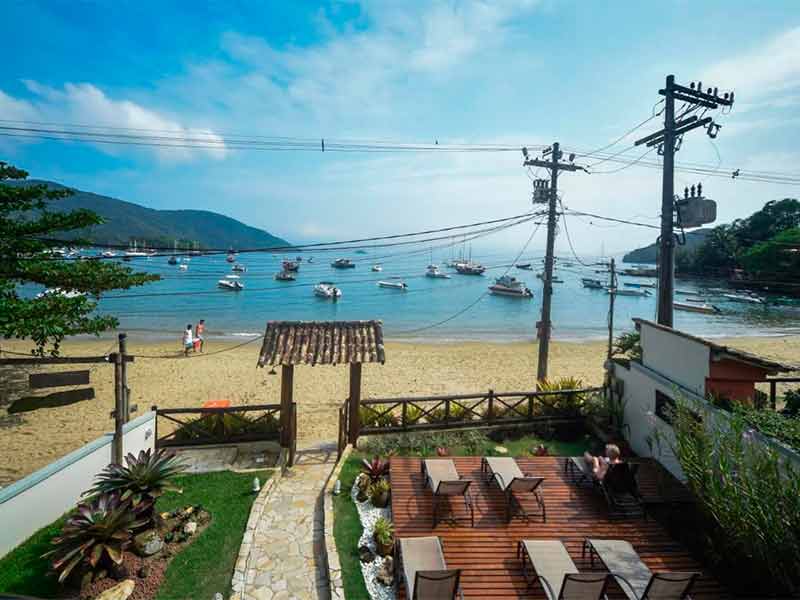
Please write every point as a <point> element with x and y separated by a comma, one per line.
<point>216,404</point>
<point>196,344</point>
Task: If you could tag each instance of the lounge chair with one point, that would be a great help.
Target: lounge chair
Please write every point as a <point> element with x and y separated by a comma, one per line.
<point>425,571</point>
<point>444,482</point>
<point>636,580</point>
<point>559,577</point>
<point>619,486</point>
<point>505,472</point>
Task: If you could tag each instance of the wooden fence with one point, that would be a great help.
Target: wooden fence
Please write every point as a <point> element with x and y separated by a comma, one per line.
<point>426,413</point>
<point>344,430</point>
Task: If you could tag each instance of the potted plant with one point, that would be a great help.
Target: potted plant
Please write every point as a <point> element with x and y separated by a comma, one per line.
<point>383,534</point>
<point>379,493</point>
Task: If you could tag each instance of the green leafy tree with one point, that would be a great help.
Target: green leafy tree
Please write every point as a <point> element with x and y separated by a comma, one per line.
<point>719,251</point>
<point>778,257</point>
<point>775,217</point>
<point>29,230</point>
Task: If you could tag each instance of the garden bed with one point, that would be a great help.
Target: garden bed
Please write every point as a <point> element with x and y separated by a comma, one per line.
<point>196,568</point>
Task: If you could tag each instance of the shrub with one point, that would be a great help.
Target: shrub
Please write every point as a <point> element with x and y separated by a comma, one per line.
<point>563,405</point>
<point>628,345</point>
<point>96,533</point>
<point>379,493</point>
<point>369,417</point>
<point>750,495</point>
<point>413,414</point>
<point>226,425</point>
<point>792,403</point>
<point>383,530</point>
<point>375,469</point>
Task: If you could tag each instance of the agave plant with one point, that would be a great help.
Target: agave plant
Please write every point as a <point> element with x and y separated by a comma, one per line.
<point>144,478</point>
<point>98,531</point>
<point>375,469</point>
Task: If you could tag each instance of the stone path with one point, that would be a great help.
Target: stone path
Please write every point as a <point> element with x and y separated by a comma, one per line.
<point>286,558</point>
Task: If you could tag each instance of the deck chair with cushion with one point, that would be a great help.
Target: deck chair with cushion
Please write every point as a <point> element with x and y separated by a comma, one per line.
<point>505,472</point>
<point>425,571</point>
<point>554,570</point>
<point>444,482</point>
<point>619,487</point>
<point>636,580</point>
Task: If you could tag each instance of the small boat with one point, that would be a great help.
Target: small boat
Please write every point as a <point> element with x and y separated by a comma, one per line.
<point>506,285</point>
<point>310,259</point>
<point>640,285</point>
<point>435,272</point>
<point>556,278</point>
<point>237,268</point>
<point>343,263</point>
<point>377,268</point>
<point>183,267</point>
<point>298,259</point>
<point>696,299</point>
<point>394,283</point>
<point>231,282</point>
<point>173,260</point>
<point>285,276</point>
<point>525,266</point>
<point>592,284</point>
<point>707,309</point>
<point>57,291</point>
<point>231,258</point>
<point>108,254</point>
<point>290,265</point>
<point>470,268</point>
<point>623,292</point>
<point>685,292</point>
<point>743,298</point>
<point>326,289</point>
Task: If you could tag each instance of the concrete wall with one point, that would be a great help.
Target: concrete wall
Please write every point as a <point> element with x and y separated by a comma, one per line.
<point>680,359</point>
<point>40,498</point>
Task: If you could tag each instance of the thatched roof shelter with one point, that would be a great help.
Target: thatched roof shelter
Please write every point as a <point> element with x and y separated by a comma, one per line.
<point>322,342</point>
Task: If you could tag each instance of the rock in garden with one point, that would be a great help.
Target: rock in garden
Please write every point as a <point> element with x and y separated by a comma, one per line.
<point>365,555</point>
<point>119,572</point>
<point>168,525</point>
<point>143,572</point>
<point>121,591</point>
<point>148,543</point>
<point>190,528</point>
<point>385,574</point>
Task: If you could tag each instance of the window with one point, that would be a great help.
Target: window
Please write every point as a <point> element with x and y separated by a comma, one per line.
<point>665,407</point>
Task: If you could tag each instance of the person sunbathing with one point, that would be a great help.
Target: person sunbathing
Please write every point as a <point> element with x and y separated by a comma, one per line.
<point>600,464</point>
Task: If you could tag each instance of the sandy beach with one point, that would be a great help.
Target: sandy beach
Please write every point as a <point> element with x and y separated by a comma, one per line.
<point>34,438</point>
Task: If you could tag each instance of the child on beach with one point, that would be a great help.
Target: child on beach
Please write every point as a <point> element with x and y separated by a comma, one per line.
<point>200,331</point>
<point>188,340</point>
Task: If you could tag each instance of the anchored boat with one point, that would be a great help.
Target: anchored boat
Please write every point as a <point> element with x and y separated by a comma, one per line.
<point>525,266</point>
<point>237,268</point>
<point>377,268</point>
<point>744,299</point>
<point>592,284</point>
<point>343,263</point>
<point>707,309</point>
<point>394,283</point>
<point>435,272</point>
<point>284,276</point>
<point>290,265</point>
<point>507,285</point>
<point>326,289</point>
<point>470,268</point>
<point>231,282</point>
<point>640,285</point>
<point>623,292</point>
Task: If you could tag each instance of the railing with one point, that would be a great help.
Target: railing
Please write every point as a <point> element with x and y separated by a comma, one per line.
<point>228,425</point>
<point>344,430</point>
<point>392,415</point>
<point>773,388</point>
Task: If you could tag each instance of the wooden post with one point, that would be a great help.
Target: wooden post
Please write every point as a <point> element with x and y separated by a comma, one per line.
<point>355,402</point>
<point>287,384</point>
<point>123,351</point>
<point>119,408</point>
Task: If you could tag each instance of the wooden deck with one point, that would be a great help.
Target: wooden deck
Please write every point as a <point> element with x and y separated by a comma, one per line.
<point>487,553</point>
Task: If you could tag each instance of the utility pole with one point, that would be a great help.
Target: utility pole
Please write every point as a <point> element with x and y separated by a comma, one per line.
<point>694,98</point>
<point>612,286</point>
<point>554,165</point>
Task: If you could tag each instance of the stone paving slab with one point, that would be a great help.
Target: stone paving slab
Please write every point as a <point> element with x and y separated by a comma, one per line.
<point>285,545</point>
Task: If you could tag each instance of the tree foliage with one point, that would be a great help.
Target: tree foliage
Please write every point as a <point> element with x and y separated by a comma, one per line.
<point>29,231</point>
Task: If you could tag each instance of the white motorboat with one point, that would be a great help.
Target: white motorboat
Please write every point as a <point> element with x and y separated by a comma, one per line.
<point>231,282</point>
<point>60,292</point>
<point>506,285</point>
<point>707,309</point>
<point>108,254</point>
<point>183,267</point>
<point>393,283</point>
<point>327,290</point>
<point>377,268</point>
<point>435,272</point>
<point>623,292</point>
<point>470,268</point>
<point>237,268</point>
<point>744,298</point>
<point>285,276</point>
<point>592,284</point>
<point>343,263</point>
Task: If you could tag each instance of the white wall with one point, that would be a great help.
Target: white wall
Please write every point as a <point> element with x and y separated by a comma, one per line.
<point>40,498</point>
<point>680,359</point>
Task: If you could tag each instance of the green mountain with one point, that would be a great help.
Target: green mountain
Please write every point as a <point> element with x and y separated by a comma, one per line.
<point>648,254</point>
<point>126,221</point>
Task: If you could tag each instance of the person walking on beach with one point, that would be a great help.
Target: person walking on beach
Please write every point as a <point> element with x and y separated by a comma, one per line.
<point>200,331</point>
<point>188,340</point>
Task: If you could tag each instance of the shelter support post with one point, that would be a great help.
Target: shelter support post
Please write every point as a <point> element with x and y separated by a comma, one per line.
<point>287,384</point>
<point>355,402</point>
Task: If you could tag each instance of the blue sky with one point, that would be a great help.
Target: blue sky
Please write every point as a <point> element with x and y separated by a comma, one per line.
<point>515,72</point>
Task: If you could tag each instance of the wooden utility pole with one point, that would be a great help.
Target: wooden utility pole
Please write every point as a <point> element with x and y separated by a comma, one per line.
<point>554,165</point>
<point>612,287</point>
<point>119,408</point>
<point>666,142</point>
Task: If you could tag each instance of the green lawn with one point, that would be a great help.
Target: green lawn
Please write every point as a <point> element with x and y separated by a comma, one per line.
<point>200,570</point>
<point>346,531</point>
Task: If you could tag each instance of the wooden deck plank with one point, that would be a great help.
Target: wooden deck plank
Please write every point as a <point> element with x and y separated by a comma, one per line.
<point>487,553</point>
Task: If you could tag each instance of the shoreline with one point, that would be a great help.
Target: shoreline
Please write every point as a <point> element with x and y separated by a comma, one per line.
<point>160,375</point>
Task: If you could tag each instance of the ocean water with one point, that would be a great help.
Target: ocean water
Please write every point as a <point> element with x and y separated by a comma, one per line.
<point>430,309</point>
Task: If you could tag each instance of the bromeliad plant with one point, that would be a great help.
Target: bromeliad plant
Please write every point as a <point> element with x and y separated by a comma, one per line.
<point>144,478</point>
<point>96,534</point>
<point>375,469</point>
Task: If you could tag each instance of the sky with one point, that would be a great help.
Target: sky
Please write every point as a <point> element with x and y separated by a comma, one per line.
<point>515,72</point>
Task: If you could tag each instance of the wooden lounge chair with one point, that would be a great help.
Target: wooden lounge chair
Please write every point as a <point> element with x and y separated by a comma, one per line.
<point>619,486</point>
<point>505,472</point>
<point>444,482</point>
<point>425,571</point>
<point>559,577</point>
<point>637,581</point>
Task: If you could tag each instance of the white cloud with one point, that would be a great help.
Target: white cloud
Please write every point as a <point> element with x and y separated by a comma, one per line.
<point>85,103</point>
